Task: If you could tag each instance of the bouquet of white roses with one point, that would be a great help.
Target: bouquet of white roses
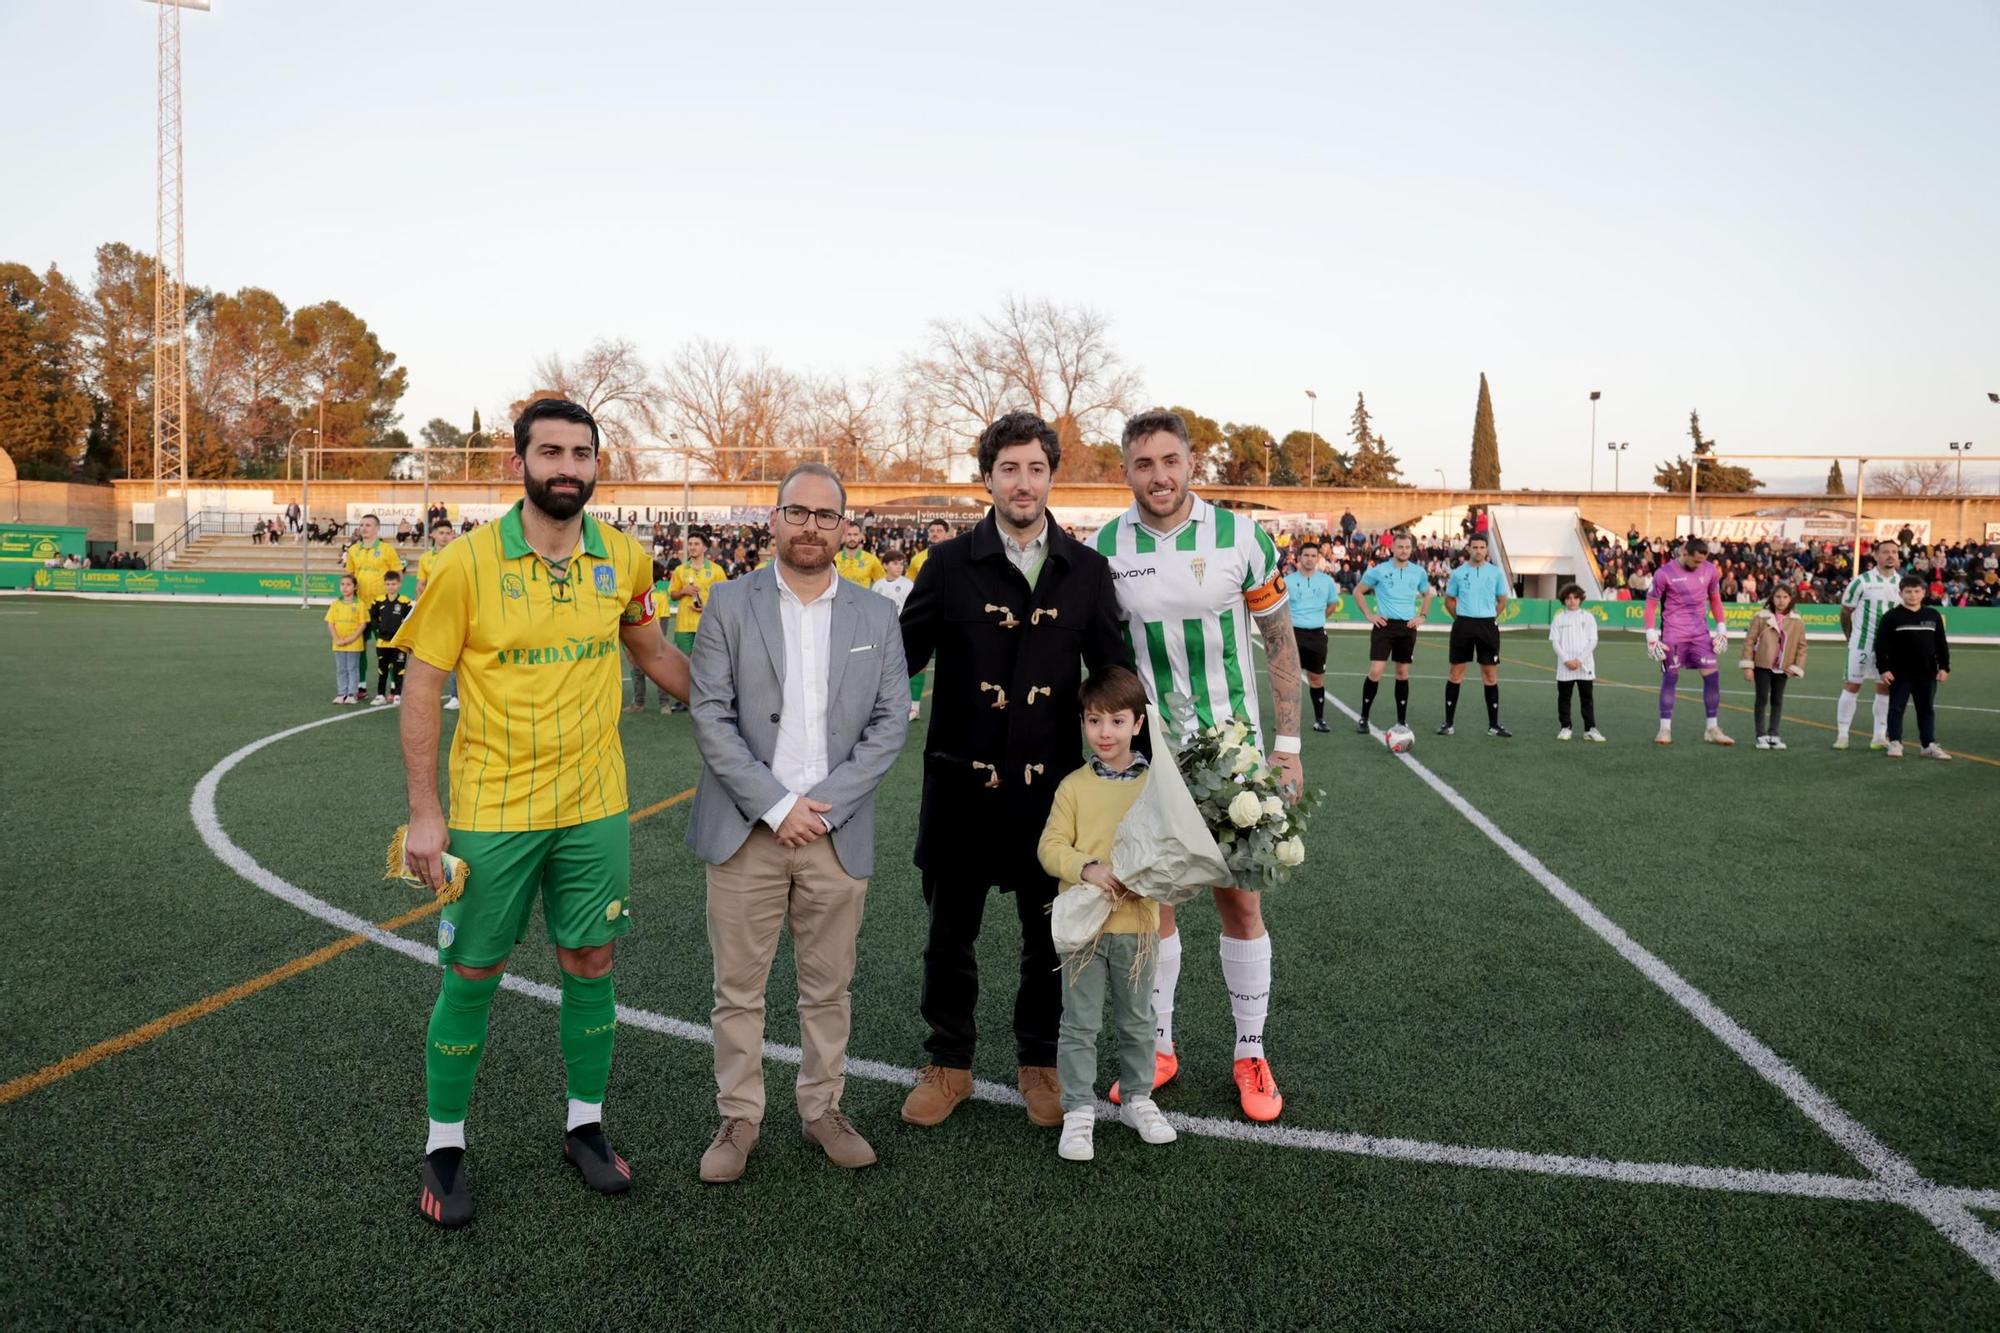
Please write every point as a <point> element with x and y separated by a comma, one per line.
<point>1262,837</point>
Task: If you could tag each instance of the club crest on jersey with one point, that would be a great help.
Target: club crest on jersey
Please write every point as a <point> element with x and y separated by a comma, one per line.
<point>1198,567</point>
<point>511,585</point>
<point>606,583</point>
<point>447,932</point>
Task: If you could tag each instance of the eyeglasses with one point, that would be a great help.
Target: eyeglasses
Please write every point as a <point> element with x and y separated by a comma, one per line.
<point>826,519</point>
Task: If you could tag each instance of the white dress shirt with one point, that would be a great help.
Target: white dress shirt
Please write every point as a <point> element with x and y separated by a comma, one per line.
<point>800,758</point>
<point>1027,556</point>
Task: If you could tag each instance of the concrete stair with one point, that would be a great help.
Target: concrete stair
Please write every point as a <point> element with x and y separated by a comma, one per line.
<point>236,552</point>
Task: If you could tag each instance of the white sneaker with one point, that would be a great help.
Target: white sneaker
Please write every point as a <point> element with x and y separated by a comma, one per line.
<point>451,702</point>
<point>1763,743</point>
<point>1878,742</point>
<point>1714,735</point>
<point>1895,749</point>
<point>1075,1145</point>
<point>1934,751</point>
<point>1139,1113</point>
<point>1593,734</point>
<point>1777,744</point>
<point>1666,736</point>
<point>916,710</point>
<point>1563,735</point>
<point>377,701</point>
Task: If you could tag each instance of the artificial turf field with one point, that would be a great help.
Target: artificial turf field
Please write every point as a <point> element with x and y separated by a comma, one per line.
<point>256,1165</point>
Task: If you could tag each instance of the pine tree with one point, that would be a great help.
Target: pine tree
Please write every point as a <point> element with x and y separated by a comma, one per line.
<point>1359,429</point>
<point>1485,443</point>
<point>1835,483</point>
<point>1715,478</point>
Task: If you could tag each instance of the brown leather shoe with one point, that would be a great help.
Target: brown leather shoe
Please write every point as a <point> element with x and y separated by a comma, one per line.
<point>842,1142</point>
<point>728,1152</point>
<point>1039,1084</point>
<point>938,1092</point>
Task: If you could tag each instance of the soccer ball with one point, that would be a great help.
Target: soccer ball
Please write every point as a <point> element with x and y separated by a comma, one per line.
<point>1400,739</point>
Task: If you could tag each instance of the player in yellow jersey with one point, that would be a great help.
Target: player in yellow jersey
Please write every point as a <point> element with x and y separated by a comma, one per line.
<point>936,532</point>
<point>442,533</point>
<point>531,611</point>
<point>853,563</point>
<point>368,560</point>
<point>688,588</point>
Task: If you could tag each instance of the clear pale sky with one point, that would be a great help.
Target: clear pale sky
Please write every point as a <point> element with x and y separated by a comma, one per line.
<point>1786,215</point>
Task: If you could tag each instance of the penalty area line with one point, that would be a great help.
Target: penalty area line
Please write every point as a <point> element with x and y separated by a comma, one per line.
<point>1952,1219</point>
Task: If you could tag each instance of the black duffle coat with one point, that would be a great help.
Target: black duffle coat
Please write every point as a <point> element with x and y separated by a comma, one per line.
<point>1005,724</point>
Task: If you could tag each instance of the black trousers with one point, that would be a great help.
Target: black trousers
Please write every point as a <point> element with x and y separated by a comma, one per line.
<point>1771,697</point>
<point>1923,689</point>
<point>1586,690</point>
<point>951,972</point>
<point>389,664</point>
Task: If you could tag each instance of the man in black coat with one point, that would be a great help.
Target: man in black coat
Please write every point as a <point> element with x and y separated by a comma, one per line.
<point>1013,610</point>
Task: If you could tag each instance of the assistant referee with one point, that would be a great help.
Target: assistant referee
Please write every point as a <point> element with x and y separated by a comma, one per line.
<point>1314,596</point>
<point>1402,599</point>
<point>1474,595</point>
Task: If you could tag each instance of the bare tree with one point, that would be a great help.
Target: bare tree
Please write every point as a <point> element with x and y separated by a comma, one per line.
<point>1912,477</point>
<point>1054,361</point>
<point>738,420</point>
<point>613,384</point>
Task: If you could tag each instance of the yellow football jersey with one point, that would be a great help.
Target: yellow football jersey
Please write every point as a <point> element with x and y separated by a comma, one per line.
<point>539,671</point>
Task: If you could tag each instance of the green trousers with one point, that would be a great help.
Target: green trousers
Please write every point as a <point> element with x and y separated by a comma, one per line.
<point>1083,1014</point>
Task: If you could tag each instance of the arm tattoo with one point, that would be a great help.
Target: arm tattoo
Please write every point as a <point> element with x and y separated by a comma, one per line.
<point>1281,652</point>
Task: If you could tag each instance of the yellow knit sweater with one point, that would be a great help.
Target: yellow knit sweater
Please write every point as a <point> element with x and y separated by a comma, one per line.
<point>1081,825</point>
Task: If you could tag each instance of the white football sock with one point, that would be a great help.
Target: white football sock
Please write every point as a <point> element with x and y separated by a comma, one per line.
<point>1246,969</point>
<point>584,1113</point>
<point>1166,976</point>
<point>1843,713</point>
<point>1881,717</point>
<point>445,1134</point>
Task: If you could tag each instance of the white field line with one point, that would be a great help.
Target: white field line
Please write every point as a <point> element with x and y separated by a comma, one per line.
<point>1727,1179</point>
<point>1951,1218</point>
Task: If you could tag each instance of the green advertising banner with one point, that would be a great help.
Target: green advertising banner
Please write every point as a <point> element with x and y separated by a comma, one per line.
<point>33,543</point>
<point>185,583</point>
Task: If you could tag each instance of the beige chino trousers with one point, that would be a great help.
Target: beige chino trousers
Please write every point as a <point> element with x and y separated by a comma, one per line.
<point>752,898</point>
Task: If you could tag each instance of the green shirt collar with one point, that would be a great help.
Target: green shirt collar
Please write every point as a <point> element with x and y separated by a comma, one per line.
<point>514,542</point>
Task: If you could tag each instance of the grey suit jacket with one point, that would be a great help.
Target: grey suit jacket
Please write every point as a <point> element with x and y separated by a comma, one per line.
<point>739,693</point>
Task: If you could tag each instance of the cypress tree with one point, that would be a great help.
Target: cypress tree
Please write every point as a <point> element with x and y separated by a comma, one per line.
<point>1485,442</point>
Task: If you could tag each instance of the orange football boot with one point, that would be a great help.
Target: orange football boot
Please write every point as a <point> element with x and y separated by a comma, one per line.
<point>1166,1068</point>
<point>1257,1090</point>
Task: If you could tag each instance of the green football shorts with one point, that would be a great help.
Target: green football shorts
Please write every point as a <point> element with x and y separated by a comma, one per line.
<point>582,873</point>
<point>684,642</point>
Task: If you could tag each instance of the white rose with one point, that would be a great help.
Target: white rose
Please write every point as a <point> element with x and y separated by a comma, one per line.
<point>1233,732</point>
<point>1246,809</point>
<point>1273,807</point>
<point>1291,852</point>
<point>1243,759</point>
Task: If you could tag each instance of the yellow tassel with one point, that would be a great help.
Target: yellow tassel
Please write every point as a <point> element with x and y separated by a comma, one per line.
<point>456,872</point>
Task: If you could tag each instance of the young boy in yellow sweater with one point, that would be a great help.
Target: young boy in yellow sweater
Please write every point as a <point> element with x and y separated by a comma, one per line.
<point>1076,849</point>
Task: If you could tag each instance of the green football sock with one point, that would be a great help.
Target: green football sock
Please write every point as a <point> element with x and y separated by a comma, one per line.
<point>589,1025</point>
<point>457,1036</point>
<point>917,688</point>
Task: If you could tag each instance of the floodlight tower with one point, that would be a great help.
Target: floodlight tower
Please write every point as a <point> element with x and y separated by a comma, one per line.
<point>169,273</point>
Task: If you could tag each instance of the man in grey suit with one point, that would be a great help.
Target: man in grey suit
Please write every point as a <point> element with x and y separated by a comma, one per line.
<point>800,704</point>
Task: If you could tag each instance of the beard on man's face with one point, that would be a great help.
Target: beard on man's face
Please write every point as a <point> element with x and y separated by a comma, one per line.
<point>808,551</point>
<point>559,495</point>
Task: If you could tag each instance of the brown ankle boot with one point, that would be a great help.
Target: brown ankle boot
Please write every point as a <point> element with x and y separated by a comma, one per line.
<point>1043,1091</point>
<point>938,1092</point>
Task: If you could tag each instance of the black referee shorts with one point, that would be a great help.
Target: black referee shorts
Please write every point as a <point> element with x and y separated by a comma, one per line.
<point>1475,638</point>
<point>1312,649</point>
<point>1395,641</point>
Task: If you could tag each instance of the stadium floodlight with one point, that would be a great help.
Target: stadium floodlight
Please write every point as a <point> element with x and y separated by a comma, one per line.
<point>1993,397</point>
<point>1961,449</point>
<point>169,251</point>
<point>1594,396</point>
<point>1312,437</point>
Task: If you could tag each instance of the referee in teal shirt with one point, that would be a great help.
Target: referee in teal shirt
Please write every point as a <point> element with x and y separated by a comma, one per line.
<point>1402,599</point>
<point>1314,594</point>
<point>1474,595</point>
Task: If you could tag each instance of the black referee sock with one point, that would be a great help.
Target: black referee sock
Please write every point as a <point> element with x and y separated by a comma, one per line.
<point>1318,693</point>
<point>1368,688</point>
<point>1402,702</point>
<point>1450,701</point>
<point>1492,705</point>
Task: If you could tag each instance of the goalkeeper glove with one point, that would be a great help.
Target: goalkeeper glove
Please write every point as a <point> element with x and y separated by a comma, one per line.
<point>1654,648</point>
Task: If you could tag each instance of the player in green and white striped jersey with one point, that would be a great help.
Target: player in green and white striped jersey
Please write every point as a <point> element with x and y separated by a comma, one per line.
<point>1869,595</point>
<point>1190,580</point>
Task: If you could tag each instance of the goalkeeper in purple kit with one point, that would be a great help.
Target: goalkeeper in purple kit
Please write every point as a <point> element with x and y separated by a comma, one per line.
<point>1685,594</point>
